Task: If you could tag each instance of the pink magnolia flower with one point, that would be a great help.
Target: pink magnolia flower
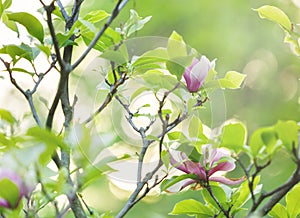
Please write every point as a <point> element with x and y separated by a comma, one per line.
<point>215,161</point>
<point>196,73</point>
<point>17,180</point>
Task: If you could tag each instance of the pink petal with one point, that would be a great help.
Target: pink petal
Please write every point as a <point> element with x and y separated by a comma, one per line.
<point>4,203</point>
<point>177,164</point>
<point>195,168</point>
<point>227,181</point>
<point>200,70</point>
<point>224,166</point>
<point>196,73</point>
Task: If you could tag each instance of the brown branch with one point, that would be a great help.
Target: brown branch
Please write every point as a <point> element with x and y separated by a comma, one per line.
<point>113,90</point>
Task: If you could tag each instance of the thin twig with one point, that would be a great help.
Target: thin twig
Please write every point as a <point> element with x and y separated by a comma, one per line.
<point>49,9</point>
<point>62,10</point>
<point>141,183</point>
<point>116,11</point>
<point>44,191</point>
<point>109,97</point>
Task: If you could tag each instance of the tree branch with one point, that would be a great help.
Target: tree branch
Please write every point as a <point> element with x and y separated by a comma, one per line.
<point>49,9</point>
<point>116,11</point>
<point>166,127</point>
<point>113,90</point>
<point>62,10</point>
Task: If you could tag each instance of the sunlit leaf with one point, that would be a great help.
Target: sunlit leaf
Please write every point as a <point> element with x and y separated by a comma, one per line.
<point>165,157</point>
<point>46,136</point>
<point>191,207</point>
<point>10,24</point>
<point>288,133</point>
<point>232,80</point>
<point>279,211</point>
<point>134,23</point>
<point>16,69</point>
<point>176,46</point>
<point>276,15</point>
<point>167,183</point>
<point>96,16</point>
<point>293,202</point>
<point>7,116</point>
<point>195,127</point>
<point>242,194</point>
<point>218,193</point>
<point>31,23</point>
<point>234,136</point>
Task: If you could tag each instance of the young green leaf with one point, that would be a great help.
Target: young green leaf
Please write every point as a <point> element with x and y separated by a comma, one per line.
<point>279,211</point>
<point>293,202</point>
<point>287,132</point>
<point>176,46</point>
<point>96,16</point>
<point>46,136</point>
<point>167,183</point>
<point>219,194</point>
<point>31,23</point>
<point>232,80</point>
<point>234,136</point>
<point>7,116</point>
<point>134,23</point>
<point>192,207</point>
<point>276,15</point>
<point>195,127</point>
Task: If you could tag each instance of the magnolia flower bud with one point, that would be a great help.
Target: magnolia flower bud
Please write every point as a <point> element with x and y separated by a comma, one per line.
<point>196,73</point>
<point>12,178</point>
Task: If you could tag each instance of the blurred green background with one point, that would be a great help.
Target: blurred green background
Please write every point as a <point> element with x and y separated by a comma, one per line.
<point>234,34</point>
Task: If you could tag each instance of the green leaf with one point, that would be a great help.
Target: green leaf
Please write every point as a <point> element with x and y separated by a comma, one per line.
<point>293,42</point>
<point>46,136</point>
<point>10,24</point>
<point>288,133</point>
<point>175,69</point>
<point>7,4</point>
<point>232,80</point>
<point>279,211</point>
<point>234,136</point>
<point>165,157</point>
<point>15,51</point>
<point>293,202</point>
<point>176,46</point>
<point>195,127</point>
<point>45,49</point>
<point>156,80</point>
<point>9,191</point>
<point>276,15</point>
<point>138,92</point>
<point>219,194</point>
<point>134,23</point>
<point>16,69</point>
<point>157,55</point>
<point>4,6</point>
<point>31,23</point>
<point>242,194</point>
<point>109,38</point>
<point>191,207</point>
<point>167,183</point>
<point>96,16</point>
<point>176,135</point>
<point>256,142</point>
<point>7,116</point>
<point>177,65</point>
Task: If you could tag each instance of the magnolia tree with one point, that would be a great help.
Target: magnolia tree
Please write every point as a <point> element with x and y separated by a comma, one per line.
<point>155,136</point>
